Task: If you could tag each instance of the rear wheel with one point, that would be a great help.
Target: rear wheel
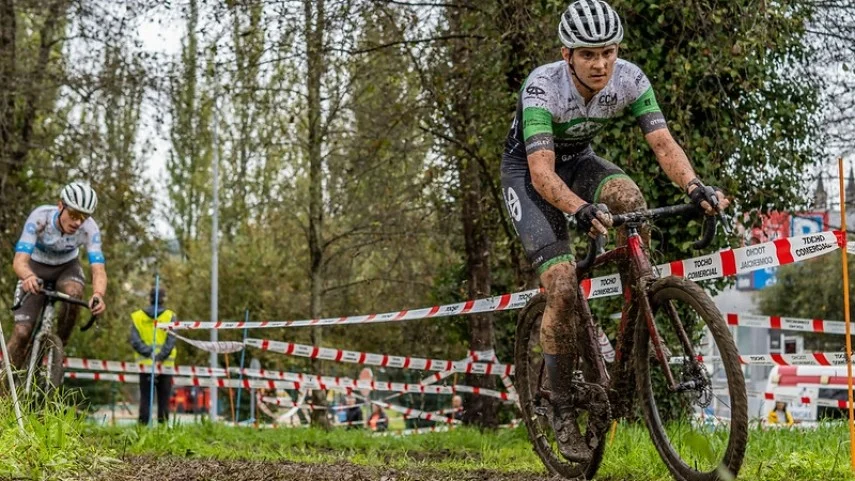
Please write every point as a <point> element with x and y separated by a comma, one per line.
<point>531,380</point>
<point>701,431</point>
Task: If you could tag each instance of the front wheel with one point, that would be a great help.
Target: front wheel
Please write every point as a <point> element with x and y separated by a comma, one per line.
<point>45,372</point>
<point>700,430</point>
<point>530,381</point>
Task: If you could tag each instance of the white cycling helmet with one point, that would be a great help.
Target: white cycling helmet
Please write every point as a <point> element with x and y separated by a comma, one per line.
<point>79,197</point>
<point>590,23</point>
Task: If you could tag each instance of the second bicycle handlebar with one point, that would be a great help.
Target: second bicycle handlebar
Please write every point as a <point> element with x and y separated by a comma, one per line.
<point>60,296</point>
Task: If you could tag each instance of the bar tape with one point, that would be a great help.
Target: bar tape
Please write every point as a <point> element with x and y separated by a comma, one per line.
<point>786,323</point>
<point>384,360</point>
<point>804,359</point>
<point>720,264</point>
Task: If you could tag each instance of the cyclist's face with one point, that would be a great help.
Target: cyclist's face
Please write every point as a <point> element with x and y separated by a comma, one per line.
<point>594,66</point>
<point>70,220</point>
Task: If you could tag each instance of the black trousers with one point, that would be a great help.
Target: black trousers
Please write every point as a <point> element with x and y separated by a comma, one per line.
<point>163,385</point>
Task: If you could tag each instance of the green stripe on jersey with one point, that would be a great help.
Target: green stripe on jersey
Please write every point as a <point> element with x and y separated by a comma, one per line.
<point>645,104</point>
<point>536,121</point>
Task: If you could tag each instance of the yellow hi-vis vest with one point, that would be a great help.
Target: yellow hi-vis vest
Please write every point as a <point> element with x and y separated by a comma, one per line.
<point>145,325</point>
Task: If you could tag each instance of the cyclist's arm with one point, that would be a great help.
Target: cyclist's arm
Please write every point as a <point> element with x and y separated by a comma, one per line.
<point>95,251</point>
<point>671,157</point>
<point>99,279</point>
<point>540,151</point>
<point>24,250</point>
<point>21,265</point>
<point>549,185</point>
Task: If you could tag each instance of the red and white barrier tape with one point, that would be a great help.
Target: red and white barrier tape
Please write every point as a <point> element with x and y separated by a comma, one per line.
<point>834,403</point>
<point>188,381</point>
<point>196,371</point>
<point>786,323</point>
<point>339,355</point>
<point>289,403</point>
<point>416,413</point>
<point>804,359</point>
<point>269,384</point>
<point>136,368</point>
<point>720,264</point>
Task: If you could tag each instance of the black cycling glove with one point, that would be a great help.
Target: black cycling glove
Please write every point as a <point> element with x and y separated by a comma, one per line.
<point>703,193</point>
<point>587,213</point>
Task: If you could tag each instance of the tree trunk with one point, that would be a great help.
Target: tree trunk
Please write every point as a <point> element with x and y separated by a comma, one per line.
<point>315,68</point>
<point>480,410</point>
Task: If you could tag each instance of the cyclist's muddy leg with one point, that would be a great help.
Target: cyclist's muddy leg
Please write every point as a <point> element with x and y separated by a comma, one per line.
<point>557,331</point>
<point>558,338</point>
<point>17,346</point>
<point>558,327</point>
<point>25,319</point>
<point>621,195</point>
<point>68,312</point>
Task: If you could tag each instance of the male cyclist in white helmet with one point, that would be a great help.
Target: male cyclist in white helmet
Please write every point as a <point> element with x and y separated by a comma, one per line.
<point>47,251</point>
<point>549,170</point>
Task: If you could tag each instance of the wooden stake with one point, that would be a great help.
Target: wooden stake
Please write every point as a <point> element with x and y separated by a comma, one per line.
<point>846,314</point>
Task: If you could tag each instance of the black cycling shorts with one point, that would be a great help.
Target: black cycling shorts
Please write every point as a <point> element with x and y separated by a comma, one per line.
<point>541,226</point>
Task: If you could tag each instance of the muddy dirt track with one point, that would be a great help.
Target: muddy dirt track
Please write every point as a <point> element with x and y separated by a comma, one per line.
<point>181,469</point>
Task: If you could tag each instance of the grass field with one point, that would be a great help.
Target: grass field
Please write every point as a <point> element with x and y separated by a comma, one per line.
<point>60,445</point>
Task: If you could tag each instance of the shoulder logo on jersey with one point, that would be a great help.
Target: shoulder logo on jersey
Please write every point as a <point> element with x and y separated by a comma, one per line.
<point>30,228</point>
<point>534,91</point>
<point>638,79</point>
<point>96,239</point>
<point>514,207</point>
<point>608,100</point>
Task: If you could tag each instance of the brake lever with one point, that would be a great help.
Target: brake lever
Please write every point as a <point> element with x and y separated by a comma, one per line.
<point>91,319</point>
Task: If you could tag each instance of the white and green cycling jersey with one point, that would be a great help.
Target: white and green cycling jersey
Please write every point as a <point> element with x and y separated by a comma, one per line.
<point>552,114</point>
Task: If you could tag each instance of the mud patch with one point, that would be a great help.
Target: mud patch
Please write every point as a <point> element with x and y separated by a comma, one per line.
<point>182,469</point>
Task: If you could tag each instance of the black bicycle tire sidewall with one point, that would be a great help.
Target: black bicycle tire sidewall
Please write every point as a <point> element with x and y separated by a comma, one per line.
<point>735,451</point>
<point>525,325</point>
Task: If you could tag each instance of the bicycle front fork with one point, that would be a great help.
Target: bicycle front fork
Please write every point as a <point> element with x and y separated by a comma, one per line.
<point>644,274</point>
<point>35,358</point>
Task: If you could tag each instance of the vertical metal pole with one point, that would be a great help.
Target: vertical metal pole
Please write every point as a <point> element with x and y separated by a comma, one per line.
<point>846,314</point>
<point>242,357</point>
<point>7,363</point>
<point>215,227</point>
<point>153,351</point>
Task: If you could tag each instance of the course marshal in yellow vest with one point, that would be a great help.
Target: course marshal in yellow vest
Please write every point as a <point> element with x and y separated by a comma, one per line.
<point>145,327</point>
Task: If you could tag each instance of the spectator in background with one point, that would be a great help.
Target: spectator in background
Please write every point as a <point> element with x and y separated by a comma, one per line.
<point>378,421</point>
<point>457,405</point>
<point>354,413</point>
<point>780,415</point>
<point>143,336</point>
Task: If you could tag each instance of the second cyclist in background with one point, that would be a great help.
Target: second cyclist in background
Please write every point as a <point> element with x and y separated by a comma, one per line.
<point>48,251</point>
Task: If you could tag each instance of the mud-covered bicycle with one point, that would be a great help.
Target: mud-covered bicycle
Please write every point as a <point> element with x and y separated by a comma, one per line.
<point>696,413</point>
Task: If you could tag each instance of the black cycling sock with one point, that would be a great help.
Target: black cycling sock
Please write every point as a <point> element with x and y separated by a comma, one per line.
<point>560,369</point>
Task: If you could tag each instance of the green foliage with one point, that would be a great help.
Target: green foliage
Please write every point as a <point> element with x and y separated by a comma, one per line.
<point>51,447</point>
